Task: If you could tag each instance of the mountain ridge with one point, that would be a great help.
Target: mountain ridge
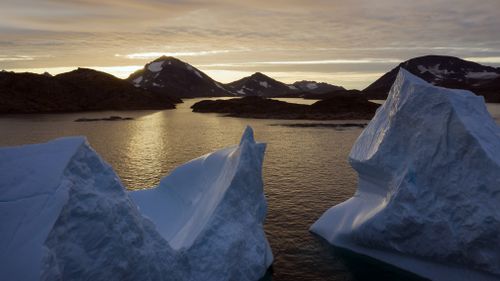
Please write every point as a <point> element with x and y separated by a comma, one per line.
<point>445,71</point>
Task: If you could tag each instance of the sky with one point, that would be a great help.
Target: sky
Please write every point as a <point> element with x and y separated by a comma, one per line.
<point>347,43</point>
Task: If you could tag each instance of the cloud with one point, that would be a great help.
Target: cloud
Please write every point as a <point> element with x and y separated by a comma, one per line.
<point>306,62</point>
<point>492,60</point>
<point>16,58</point>
<point>89,15</point>
<point>6,58</point>
<point>154,55</point>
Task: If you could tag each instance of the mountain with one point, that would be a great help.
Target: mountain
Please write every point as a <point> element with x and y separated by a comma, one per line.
<point>314,87</point>
<point>444,71</point>
<point>78,90</point>
<point>172,77</point>
<point>259,84</point>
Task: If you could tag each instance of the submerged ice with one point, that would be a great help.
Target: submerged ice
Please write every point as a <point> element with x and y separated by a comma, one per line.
<point>429,185</point>
<point>66,216</point>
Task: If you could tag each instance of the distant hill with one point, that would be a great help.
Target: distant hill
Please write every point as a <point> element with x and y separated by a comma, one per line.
<point>444,71</point>
<point>314,87</point>
<point>173,77</point>
<point>261,85</point>
<point>78,90</point>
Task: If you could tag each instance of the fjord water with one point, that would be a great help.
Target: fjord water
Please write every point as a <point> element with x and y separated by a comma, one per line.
<point>305,168</point>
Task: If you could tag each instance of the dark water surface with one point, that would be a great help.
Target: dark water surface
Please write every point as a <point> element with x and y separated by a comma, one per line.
<point>305,169</point>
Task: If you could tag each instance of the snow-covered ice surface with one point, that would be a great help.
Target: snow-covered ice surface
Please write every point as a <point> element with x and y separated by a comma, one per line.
<point>212,209</point>
<point>429,185</point>
<point>66,216</point>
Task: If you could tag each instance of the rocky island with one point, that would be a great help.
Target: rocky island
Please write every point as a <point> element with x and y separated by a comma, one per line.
<point>345,107</point>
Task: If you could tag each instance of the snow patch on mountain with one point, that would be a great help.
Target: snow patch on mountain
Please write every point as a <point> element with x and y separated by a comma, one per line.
<point>264,84</point>
<point>482,75</point>
<point>138,80</point>
<point>312,86</point>
<point>219,86</point>
<point>435,70</point>
<point>156,66</point>
<point>190,68</point>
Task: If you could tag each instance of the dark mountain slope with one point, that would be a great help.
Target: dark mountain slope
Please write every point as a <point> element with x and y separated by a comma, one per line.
<point>78,90</point>
<point>444,71</point>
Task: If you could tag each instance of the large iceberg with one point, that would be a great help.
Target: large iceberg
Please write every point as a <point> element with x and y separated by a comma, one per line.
<point>64,215</point>
<point>212,210</point>
<point>428,195</point>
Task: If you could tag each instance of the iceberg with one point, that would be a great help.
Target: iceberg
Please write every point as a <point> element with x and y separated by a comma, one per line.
<point>66,216</point>
<point>212,210</point>
<point>428,192</point>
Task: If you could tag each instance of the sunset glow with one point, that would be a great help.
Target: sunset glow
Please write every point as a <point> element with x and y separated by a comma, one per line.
<point>341,42</point>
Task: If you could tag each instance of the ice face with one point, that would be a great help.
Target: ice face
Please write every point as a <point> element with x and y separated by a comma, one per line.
<point>66,216</point>
<point>429,185</point>
<point>32,196</point>
<point>211,206</point>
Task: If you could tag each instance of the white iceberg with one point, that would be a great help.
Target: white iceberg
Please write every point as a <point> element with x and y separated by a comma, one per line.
<point>65,216</point>
<point>428,195</point>
<point>212,209</point>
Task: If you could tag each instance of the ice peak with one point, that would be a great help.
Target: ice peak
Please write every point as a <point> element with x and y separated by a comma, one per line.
<point>247,135</point>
